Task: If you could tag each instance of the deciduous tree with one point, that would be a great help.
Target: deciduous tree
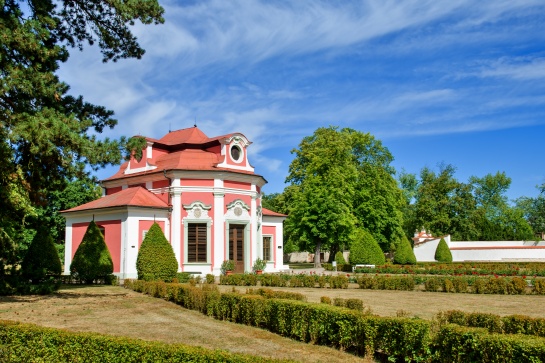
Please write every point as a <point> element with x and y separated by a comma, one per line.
<point>341,179</point>
<point>48,136</point>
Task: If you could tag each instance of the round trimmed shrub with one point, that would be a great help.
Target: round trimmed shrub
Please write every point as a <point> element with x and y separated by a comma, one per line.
<point>404,254</point>
<point>366,250</point>
<point>442,252</point>
<point>92,260</point>
<point>156,259</point>
<point>41,260</point>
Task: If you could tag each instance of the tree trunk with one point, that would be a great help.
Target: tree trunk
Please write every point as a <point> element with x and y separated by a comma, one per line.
<point>332,252</point>
<point>317,263</point>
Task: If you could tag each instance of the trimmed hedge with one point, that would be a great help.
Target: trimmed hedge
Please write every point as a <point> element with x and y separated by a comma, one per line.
<point>318,323</point>
<point>395,339</point>
<point>405,283</point>
<point>458,284</point>
<point>442,252</point>
<point>366,250</point>
<point>404,254</point>
<point>455,344</point>
<point>275,294</point>
<point>512,324</point>
<point>339,258</point>
<point>156,259</point>
<point>31,343</point>
<point>286,280</point>
<point>503,269</point>
<point>41,260</point>
<point>92,260</point>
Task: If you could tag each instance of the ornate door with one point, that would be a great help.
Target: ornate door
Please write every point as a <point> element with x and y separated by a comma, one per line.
<point>236,246</point>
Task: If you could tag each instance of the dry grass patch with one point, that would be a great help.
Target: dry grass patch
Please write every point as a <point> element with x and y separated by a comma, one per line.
<point>116,311</point>
<point>425,304</point>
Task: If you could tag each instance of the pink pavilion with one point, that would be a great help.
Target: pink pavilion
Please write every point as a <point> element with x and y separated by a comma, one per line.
<point>204,194</point>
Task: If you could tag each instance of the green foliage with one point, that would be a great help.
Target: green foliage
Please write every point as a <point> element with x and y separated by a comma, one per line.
<point>92,259</point>
<point>341,178</point>
<point>227,265</point>
<point>404,254</point>
<point>31,343</point>
<point>533,210</point>
<point>476,211</point>
<point>381,282</point>
<point>339,258</point>
<point>442,252</point>
<point>461,344</point>
<point>41,260</point>
<point>156,259</point>
<point>365,250</point>
<point>325,300</point>
<point>397,339</point>
<point>352,330</point>
<point>259,265</point>
<point>442,205</point>
<point>48,136</point>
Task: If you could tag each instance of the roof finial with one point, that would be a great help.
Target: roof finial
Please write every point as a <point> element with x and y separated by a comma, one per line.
<point>169,128</point>
<point>195,124</point>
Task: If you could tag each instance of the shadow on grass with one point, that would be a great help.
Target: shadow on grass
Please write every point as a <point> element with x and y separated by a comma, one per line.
<point>66,292</point>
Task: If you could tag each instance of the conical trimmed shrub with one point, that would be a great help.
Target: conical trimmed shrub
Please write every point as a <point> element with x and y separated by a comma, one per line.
<point>366,250</point>
<point>156,259</point>
<point>404,254</point>
<point>41,260</point>
<point>442,252</point>
<point>339,258</point>
<point>92,259</point>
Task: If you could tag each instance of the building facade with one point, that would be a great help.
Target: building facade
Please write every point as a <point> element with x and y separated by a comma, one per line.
<point>479,251</point>
<point>202,192</point>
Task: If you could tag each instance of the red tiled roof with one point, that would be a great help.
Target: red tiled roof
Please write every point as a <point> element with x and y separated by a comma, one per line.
<point>136,197</point>
<point>192,135</point>
<point>268,212</point>
<point>188,158</point>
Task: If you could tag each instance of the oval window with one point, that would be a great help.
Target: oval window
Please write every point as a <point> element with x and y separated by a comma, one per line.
<point>235,153</point>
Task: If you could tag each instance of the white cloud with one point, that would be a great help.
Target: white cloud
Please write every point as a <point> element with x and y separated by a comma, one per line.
<point>519,69</point>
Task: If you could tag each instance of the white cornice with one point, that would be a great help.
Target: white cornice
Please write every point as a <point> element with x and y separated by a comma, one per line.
<point>158,175</point>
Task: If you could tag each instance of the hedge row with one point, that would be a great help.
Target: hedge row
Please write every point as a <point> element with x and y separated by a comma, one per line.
<point>458,284</point>
<point>456,344</point>
<point>30,343</point>
<point>354,304</point>
<point>474,269</point>
<point>396,339</point>
<point>275,294</point>
<point>512,324</point>
<point>318,323</point>
<point>286,280</point>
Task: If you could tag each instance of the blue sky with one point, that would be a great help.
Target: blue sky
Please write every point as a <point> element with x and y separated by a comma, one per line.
<point>455,82</point>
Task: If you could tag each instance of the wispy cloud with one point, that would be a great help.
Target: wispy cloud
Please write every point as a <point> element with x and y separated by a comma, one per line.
<point>519,69</point>
<point>276,71</point>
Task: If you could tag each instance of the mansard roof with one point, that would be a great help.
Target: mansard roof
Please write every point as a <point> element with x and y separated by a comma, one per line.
<point>132,197</point>
<point>186,149</point>
<point>191,137</point>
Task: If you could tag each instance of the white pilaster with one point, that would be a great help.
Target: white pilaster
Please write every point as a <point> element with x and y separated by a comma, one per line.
<point>67,248</point>
<point>218,226</point>
<point>176,220</point>
<point>253,226</point>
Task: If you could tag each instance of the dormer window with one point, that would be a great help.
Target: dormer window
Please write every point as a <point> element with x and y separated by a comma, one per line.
<point>236,153</point>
